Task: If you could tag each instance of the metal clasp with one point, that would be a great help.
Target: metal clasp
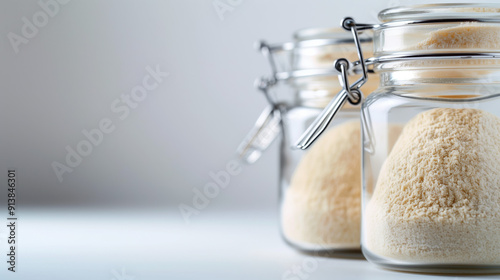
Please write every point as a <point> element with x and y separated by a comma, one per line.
<point>351,93</point>
<point>268,125</point>
<point>266,129</point>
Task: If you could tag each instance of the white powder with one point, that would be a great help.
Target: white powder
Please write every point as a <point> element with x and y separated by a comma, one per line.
<point>322,204</point>
<point>437,198</point>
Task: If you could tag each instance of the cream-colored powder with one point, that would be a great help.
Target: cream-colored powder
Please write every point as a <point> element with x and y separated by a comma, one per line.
<point>471,36</point>
<point>467,35</point>
<point>322,204</point>
<point>437,198</point>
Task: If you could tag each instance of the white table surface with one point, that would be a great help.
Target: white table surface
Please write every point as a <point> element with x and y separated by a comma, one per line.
<point>157,244</point>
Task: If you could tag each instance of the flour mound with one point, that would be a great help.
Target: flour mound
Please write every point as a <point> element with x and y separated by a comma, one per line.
<point>437,198</point>
<point>322,204</point>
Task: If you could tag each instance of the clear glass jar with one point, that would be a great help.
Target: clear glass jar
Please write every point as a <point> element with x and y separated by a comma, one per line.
<point>320,205</point>
<point>431,147</point>
<point>320,194</point>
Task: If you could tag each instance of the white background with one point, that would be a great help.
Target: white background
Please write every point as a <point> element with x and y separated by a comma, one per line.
<point>67,76</point>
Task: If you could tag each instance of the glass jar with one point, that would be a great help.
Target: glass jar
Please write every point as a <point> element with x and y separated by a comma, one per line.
<point>431,140</point>
<point>320,189</point>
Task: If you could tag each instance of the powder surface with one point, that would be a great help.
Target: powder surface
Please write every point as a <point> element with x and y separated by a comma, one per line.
<point>437,198</point>
<point>322,204</point>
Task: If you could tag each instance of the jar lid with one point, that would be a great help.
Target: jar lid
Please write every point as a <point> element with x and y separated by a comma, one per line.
<point>336,34</point>
<point>312,53</point>
<point>441,11</point>
<point>306,64</point>
<point>438,32</point>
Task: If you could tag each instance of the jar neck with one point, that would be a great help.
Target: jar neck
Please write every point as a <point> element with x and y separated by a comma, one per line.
<point>470,80</point>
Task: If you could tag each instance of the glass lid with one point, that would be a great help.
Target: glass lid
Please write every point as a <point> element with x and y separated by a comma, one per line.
<point>486,11</point>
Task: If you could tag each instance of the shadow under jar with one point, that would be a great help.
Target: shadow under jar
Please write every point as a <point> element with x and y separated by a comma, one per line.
<point>320,200</point>
<point>431,140</point>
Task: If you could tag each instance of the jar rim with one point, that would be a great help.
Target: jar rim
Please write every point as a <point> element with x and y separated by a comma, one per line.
<point>311,33</point>
<point>319,42</point>
<point>412,56</point>
<point>465,99</point>
<point>442,11</point>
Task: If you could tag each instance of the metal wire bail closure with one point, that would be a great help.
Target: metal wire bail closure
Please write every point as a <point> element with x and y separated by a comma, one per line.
<point>342,66</point>
<point>351,93</point>
<point>268,126</point>
<point>266,129</point>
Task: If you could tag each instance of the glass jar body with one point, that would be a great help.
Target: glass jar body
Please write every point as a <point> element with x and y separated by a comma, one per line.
<point>320,202</point>
<point>431,172</point>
